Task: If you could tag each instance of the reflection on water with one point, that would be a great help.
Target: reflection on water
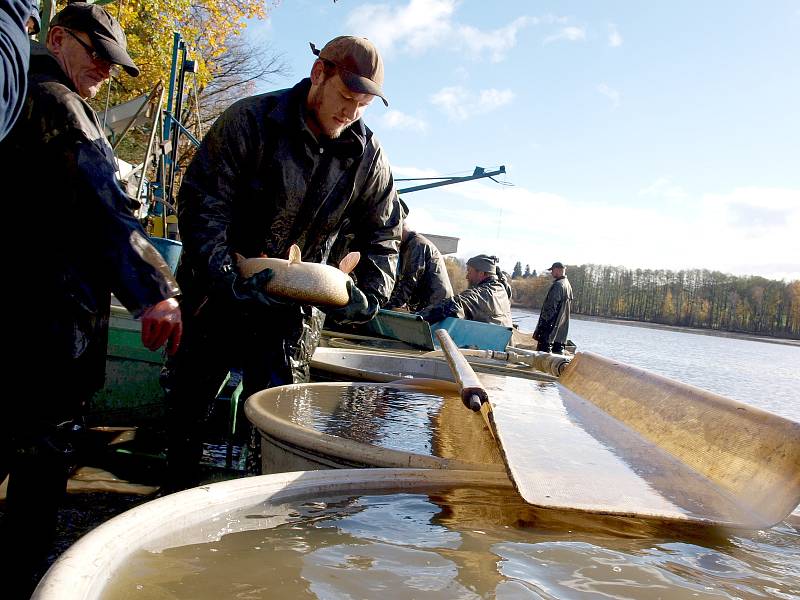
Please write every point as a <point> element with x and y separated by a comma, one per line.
<point>757,373</point>
<point>464,543</point>
<point>410,420</point>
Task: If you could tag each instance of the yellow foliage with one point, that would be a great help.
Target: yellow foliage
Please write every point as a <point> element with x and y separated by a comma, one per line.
<point>457,272</point>
<point>530,292</point>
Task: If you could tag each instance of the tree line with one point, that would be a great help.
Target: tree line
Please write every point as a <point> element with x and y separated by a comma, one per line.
<point>689,298</point>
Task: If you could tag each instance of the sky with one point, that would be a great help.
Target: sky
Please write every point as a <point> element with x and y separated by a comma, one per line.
<point>636,134</point>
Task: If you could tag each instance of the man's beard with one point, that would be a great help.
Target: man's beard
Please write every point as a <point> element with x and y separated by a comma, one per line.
<point>331,134</point>
<point>313,114</point>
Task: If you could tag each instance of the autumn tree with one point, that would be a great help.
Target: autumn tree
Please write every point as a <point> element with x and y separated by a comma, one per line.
<point>691,298</point>
<point>207,26</point>
<point>457,272</point>
<point>212,33</point>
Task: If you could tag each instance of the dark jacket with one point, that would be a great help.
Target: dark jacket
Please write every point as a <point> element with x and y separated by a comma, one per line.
<point>260,182</point>
<point>553,325</point>
<point>84,241</point>
<point>423,279</point>
<point>14,51</point>
<point>487,302</point>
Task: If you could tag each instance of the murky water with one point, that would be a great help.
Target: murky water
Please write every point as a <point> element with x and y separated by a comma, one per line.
<point>763,374</point>
<point>462,543</point>
<point>409,420</point>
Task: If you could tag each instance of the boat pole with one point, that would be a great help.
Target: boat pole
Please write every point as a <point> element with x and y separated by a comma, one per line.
<point>472,393</point>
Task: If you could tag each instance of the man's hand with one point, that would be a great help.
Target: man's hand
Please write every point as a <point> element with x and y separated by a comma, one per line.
<point>161,323</point>
<point>434,314</point>
<point>360,309</point>
<point>252,288</point>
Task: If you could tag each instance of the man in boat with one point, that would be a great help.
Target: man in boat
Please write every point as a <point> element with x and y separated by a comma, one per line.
<point>295,166</point>
<point>553,326</point>
<point>422,279</point>
<point>85,243</point>
<point>487,299</point>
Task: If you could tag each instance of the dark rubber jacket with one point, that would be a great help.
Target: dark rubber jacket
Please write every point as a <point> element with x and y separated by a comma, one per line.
<point>260,182</point>
<point>422,280</point>
<point>81,242</point>
<point>85,242</point>
<point>553,325</point>
<point>487,302</point>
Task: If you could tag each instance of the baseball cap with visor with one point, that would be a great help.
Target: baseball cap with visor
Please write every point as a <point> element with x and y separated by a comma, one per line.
<point>358,62</point>
<point>105,32</point>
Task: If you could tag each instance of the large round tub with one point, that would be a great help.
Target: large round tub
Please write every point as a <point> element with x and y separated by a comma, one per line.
<point>346,425</point>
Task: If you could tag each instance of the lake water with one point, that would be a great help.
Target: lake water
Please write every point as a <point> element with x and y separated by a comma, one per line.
<point>763,374</point>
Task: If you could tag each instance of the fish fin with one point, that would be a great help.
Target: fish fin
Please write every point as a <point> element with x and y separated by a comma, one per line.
<point>349,262</point>
<point>239,258</point>
<point>294,254</point>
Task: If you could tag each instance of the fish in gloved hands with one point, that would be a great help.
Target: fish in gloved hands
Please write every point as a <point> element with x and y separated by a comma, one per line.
<point>293,279</point>
<point>253,288</point>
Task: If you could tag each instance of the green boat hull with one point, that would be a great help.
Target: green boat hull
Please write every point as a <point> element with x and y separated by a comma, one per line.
<point>132,393</point>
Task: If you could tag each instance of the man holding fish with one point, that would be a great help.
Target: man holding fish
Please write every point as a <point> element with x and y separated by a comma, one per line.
<point>291,167</point>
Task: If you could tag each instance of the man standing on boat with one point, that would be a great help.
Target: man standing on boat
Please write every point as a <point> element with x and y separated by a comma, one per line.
<point>553,326</point>
<point>84,243</point>
<point>487,299</point>
<point>422,279</point>
<point>295,166</point>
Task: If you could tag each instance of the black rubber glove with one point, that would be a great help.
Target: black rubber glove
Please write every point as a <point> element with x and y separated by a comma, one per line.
<point>434,314</point>
<point>252,289</point>
<point>360,309</point>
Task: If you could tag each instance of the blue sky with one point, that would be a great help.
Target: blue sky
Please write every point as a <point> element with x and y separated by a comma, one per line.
<point>660,135</point>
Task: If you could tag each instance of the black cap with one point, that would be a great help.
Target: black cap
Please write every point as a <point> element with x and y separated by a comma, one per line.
<point>556,265</point>
<point>104,30</point>
<point>483,262</point>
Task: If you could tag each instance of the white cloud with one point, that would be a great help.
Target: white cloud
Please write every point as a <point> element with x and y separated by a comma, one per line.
<point>416,26</point>
<point>569,34</point>
<point>460,104</point>
<point>496,42</point>
<point>610,93</point>
<point>756,213</point>
<point>614,38</point>
<point>421,25</point>
<point>394,119</point>
<point>408,172</point>
<point>663,188</point>
<point>747,231</point>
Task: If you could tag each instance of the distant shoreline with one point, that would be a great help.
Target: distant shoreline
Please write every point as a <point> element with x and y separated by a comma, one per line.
<point>712,332</point>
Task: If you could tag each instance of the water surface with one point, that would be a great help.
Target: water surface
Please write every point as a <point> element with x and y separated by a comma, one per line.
<point>763,374</point>
<point>462,543</point>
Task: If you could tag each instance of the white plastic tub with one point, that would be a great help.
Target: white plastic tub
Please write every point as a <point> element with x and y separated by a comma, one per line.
<point>85,569</point>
